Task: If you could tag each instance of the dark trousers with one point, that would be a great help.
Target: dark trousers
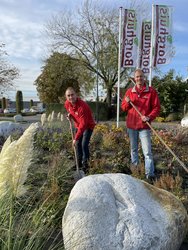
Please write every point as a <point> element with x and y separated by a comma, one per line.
<point>83,147</point>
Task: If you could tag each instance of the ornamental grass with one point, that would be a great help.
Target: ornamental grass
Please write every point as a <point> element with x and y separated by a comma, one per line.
<point>36,176</point>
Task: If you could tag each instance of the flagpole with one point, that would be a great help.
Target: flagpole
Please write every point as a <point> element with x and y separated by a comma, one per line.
<point>151,48</point>
<point>119,65</point>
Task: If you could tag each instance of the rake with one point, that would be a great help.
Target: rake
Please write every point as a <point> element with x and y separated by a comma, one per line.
<point>78,174</point>
<point>163,142</point>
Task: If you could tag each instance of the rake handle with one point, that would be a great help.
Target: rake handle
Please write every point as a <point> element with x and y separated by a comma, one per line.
<point>74,147</point>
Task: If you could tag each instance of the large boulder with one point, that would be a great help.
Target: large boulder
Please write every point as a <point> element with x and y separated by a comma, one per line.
<point>7,128</point>
<point>117,211</point>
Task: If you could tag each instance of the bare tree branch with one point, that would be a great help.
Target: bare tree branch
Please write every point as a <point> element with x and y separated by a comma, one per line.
<point>91,35</point>
<point>8,73</point>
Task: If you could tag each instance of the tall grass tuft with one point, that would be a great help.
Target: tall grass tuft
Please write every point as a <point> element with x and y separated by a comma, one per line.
<point>30,218</point>
<point>15,159</point>
<point>26,225</point>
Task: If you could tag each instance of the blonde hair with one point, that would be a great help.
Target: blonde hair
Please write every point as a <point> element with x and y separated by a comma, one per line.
<point>138,69</point>
<point>70,89</point>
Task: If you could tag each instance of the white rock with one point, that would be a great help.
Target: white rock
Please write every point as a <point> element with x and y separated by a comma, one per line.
<point>184,121</point>
<point>117,211</point>
<point>18,118</point>
<point>7,128</point>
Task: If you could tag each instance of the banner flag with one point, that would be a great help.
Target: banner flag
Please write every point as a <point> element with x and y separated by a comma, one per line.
<point>130,40</point>
<point>145,47</point>
<point>162,35</point>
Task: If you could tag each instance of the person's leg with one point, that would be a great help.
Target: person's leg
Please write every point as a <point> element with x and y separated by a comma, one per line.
<point>133,136</point>
<point>85,147</point>
<point>145,137</point>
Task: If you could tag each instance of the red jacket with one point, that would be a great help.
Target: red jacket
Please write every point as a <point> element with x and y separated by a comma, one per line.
<point>82,116</point>
<point>147,102</point>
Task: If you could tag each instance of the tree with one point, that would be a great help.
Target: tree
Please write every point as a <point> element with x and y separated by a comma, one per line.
<point>31,103</point>
<point>8,73</point>
<point>3,103</point>
<point>59,72</point>
<point>19,101</point>
<point>171,92</point>
<point>92,35</point>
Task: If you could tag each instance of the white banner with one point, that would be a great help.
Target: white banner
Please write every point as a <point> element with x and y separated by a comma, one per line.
<point>130,40</point>
<point>162,35</point>
<point>145,47</point>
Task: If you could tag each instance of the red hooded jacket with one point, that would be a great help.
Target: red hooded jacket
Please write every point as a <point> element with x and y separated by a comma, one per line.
<point>147,102</point>
<point>82,116</point>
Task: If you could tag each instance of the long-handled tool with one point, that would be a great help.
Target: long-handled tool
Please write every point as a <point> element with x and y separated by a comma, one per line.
<point>79,173</point>
<point>163,142</point>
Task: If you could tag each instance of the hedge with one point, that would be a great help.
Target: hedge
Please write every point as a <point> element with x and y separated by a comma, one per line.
<point>103,110</point>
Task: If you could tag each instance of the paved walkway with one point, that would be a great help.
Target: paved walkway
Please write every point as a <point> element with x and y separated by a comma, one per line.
<point>37,118</point>
<point>27,120</point>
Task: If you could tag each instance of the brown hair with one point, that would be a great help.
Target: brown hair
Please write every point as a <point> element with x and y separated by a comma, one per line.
<point>70,89</point>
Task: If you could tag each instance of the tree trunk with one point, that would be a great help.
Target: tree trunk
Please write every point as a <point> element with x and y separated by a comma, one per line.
<point>109,96</point>
<point>109,101</point>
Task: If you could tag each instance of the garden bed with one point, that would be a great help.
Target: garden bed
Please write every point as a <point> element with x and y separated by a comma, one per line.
<point>50,177</point>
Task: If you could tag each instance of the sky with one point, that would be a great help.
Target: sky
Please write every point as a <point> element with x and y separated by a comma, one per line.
<point>21,29</point>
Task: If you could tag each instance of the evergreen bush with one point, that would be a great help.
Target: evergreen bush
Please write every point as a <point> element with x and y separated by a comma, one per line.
<point>3,103</point>
<point>19,102</point>
<point>172,117</point>
<point>31,103</point>
<point>103,111</point>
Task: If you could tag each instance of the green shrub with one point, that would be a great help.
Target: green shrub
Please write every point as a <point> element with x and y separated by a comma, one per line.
<point>172,117</point>
<point>52,139</point>
<point>3,103</point>
<point>19,101</point>
<point>159,119</point>
<point>102,109</point>
<point>31,103</point>
<point>56,107</point>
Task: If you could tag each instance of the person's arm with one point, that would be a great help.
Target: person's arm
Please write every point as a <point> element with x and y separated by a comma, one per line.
<point>125,105</point>
<point>68,109</point>
<point>83,121</point>
<point>145,118</point>
<point>69,116</point>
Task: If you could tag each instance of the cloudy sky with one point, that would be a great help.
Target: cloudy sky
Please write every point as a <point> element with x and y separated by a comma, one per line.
<point>22,23</point>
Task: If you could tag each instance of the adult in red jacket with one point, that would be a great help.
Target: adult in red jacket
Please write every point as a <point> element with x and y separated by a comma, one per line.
<point>146,100</point>
<point>80,112</point>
